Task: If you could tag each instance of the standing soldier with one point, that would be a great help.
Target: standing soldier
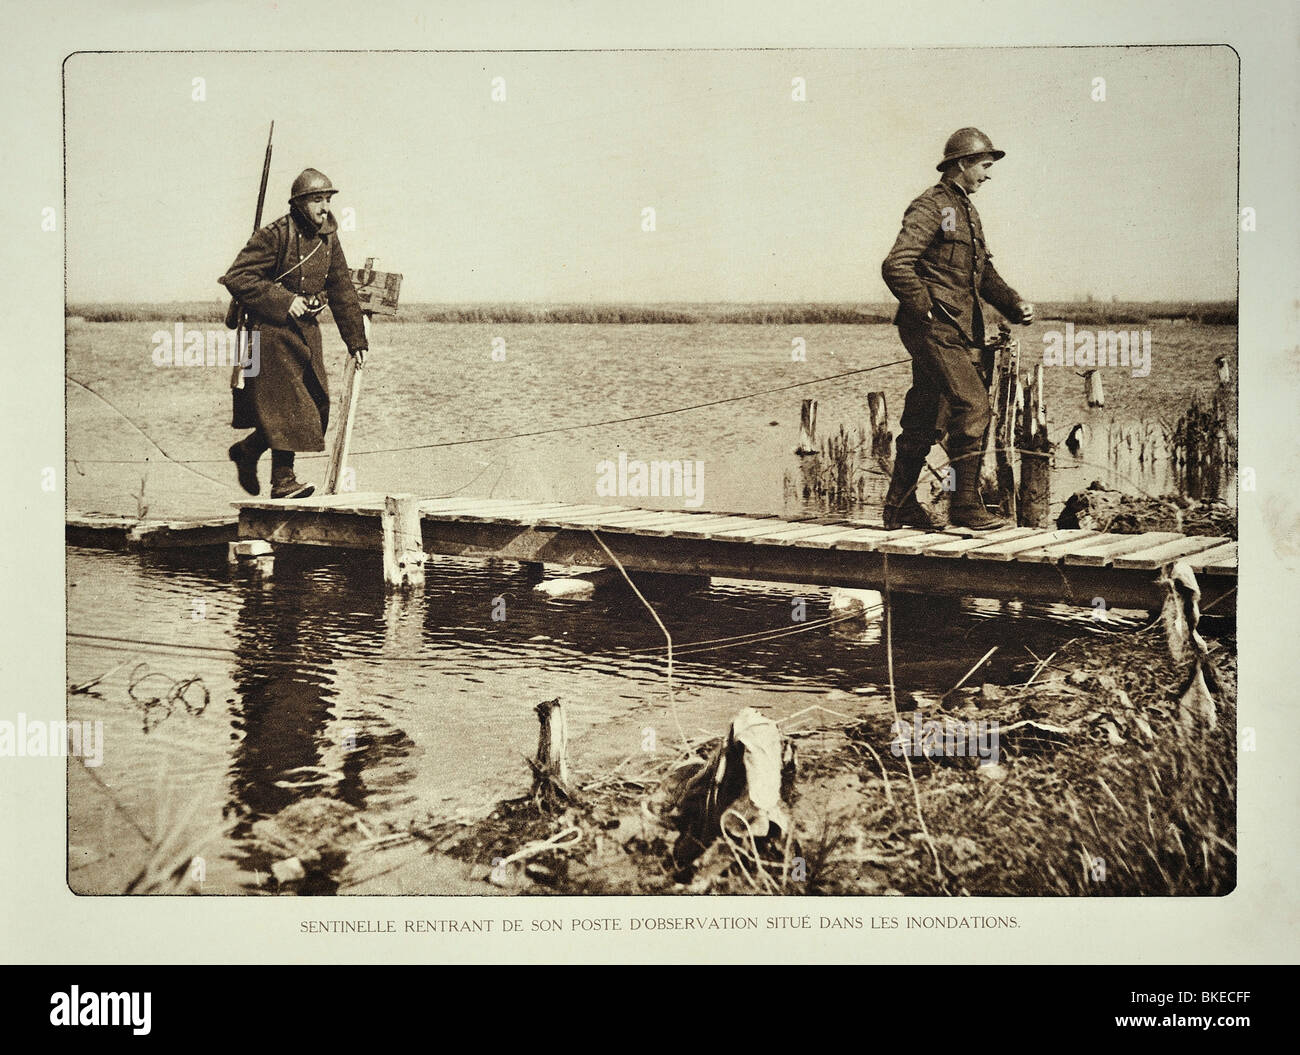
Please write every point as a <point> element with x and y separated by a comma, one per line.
<point>287,274</point>
<point>939,269</point>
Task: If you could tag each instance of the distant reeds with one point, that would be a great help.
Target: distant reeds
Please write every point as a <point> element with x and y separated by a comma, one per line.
<point>1091,313</point>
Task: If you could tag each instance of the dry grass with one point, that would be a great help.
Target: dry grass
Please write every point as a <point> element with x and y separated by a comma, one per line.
<point>1146,807</point>
<point>1092,313</point>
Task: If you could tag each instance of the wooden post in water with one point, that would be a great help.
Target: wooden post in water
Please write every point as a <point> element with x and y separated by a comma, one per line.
<point>807,428</point>
<point>1007,404</point>
<point>404,555</point>
<point>1035,505</point>
<point>1092,390</point>
<point>1224,369</point>
<point>881,437</point>
<point>551,767</point>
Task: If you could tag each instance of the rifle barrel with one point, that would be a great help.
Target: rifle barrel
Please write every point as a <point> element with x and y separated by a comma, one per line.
<point>266,172</point>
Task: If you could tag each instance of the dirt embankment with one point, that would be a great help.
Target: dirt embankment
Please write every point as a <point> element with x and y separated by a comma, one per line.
<point>1102,777</point>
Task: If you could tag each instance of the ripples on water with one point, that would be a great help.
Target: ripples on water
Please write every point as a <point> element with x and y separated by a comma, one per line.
<point>321,685</point>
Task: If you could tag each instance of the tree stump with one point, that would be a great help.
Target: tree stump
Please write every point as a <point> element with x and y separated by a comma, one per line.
<point>551,767</point>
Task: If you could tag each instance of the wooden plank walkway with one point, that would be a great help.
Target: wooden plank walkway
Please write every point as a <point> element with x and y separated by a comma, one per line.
<point>1049,565</point>
<point>110,531</point>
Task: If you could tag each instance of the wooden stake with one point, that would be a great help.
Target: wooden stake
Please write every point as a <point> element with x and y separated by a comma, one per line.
<point>1006,411</point>
<point>1092,390</point>
<point>807,428</point>
<point>551,768</point>
<point>881,438</point>
<point>1035,498</point>
<point>343,431</point>
<point>404,555</point>
<point>1224,369</point>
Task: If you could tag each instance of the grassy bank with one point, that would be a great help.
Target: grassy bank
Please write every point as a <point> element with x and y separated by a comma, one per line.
<point>1105,786</point>
<point>1083,314</point>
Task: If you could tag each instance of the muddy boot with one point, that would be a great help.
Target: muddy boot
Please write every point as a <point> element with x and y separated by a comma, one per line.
<point>245,454</point>
<point>901,507</point>
<point>283,482</point>
<point>967,506</point>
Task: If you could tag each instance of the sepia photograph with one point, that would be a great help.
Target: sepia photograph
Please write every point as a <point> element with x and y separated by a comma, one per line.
<point>784,471</point>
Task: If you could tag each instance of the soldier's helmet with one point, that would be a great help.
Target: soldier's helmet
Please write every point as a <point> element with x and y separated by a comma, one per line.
<point>311,181</point>
<point>966,143</point>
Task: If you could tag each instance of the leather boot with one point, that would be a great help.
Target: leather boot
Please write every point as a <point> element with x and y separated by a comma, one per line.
<point>901,507</point>
<point>283,483</point>
<point>968,509</point>
<point>246,466</point>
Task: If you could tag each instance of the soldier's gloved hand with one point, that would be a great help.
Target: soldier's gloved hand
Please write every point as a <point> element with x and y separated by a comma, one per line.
<point>359,354</point>
<point>298,307</point>
<point>1026,313</point>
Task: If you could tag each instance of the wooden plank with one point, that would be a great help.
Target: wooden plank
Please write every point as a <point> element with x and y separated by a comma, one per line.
<point>571,515</point>
<point>960,547</point>
<point>1099,553</point>
<point>1009,550</point>
<point>437,506</point>
<point>866,540</point>
<point>623,522</point>
<point>524,516</point>
<point>917,544</point>
<point>1158,556</point>
<point>364,502</point>
<point>513,514</point>
<point>685,524</point>
<point>543,513</point>
<point>341,500</point>
<point>1069,540</point>
<point>1221,560</point>
<point>775,563</point>
<point>709,527</point>
<point>827,539</point>
<point>344,417</point>
<point>785,535</point>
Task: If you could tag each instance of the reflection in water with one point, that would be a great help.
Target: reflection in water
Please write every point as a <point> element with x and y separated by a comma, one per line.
<point>406,706</point>
<point>292,745</point>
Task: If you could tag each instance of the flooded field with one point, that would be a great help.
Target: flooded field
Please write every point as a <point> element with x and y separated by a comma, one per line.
<point>255,695</point>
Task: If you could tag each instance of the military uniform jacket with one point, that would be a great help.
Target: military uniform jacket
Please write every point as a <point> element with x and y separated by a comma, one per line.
<point>941,265</point>
<point>288,397</point>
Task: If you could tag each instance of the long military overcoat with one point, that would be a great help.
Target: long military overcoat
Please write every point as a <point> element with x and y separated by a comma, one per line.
<point>288,398</point>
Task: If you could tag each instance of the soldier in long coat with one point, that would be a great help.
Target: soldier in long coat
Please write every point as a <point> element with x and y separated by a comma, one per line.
<point>939,269</point>
<point>287,274</point>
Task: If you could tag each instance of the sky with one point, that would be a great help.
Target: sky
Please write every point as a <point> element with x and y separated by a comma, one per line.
<point>757,197</point>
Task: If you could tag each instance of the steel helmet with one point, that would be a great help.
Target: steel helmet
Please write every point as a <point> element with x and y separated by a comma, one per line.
<point>311,181</point>
<point>965,143</point>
